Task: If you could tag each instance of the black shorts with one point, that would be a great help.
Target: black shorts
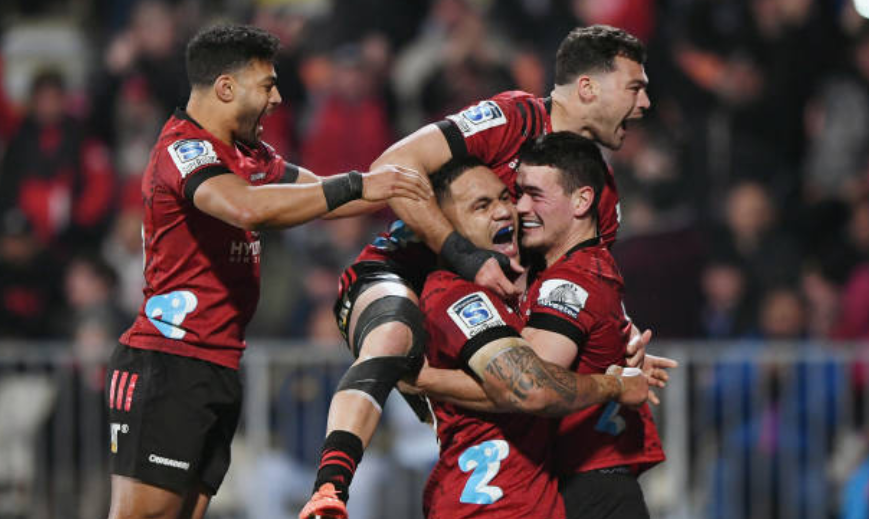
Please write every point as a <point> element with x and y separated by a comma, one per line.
<point>171,418</point>
<point>361,275</point>
<point>603,494</point>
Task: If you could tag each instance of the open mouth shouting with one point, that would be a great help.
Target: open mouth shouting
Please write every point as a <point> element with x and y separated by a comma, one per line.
<point>504,240</point>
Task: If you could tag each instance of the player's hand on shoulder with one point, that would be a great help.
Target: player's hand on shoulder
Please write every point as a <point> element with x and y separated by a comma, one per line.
<point>390,180</point>
<point>635,387</point>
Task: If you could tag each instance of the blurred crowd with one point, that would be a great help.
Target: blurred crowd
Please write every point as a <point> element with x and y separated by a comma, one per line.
<point>745,191</point>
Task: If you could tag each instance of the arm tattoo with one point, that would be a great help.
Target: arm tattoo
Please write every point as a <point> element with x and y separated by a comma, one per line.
<point>523,372</point>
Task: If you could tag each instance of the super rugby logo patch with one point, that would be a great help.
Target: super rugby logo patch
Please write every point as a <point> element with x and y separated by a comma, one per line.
<point>479,117</point>
<point>474,314</point>
<point>562,295</point>
<point>191,154</point>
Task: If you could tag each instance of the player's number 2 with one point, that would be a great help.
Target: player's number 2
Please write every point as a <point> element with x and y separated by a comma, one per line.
<point>611,422</point>
<point>485,462</point>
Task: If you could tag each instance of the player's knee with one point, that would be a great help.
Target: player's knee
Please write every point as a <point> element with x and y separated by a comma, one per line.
<point>389,338</point>
<point>391,326</point>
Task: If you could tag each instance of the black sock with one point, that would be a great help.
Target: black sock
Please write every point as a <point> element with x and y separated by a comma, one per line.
<point>341,453</point>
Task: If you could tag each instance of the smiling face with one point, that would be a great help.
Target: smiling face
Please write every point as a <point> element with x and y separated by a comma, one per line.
<point>549,216</point>
<point>256,96</point>
<point>618,97</point>
<point>480,209</point>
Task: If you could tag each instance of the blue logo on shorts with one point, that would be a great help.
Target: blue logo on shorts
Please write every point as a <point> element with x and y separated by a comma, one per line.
<point>166,312</point>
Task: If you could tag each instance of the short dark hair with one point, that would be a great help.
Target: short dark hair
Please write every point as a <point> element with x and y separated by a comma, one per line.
<point>443,178</point>
<point>578,160</point>
<point>593,49</point>
<point>225,48</point>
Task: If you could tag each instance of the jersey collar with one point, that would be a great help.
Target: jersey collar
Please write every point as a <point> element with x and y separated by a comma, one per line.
<point>182,114</point>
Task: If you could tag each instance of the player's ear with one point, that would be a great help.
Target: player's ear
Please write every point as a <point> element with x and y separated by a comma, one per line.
<point>582,198</point>
<point>225,88</point>
<point>586,88</point>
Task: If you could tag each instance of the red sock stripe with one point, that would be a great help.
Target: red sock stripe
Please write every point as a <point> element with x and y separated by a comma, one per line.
<point>130,389</point>
<point>121,386</point>
<point>338,458</point>
<point>112,390</point>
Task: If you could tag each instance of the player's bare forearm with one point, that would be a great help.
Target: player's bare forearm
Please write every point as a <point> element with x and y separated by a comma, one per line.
<point>424,151</point>
<point>455,387</point>
<point>354,208</point>
<point>517,379</point>
<point>234,201</point>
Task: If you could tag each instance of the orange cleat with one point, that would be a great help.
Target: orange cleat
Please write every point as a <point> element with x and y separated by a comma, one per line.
<point>324,504</point>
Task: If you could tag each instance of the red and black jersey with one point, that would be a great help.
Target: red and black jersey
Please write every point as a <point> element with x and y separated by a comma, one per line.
<point>492,130</point>
<point>495,129</point>
<point>492,465</point>
<point>580,297</point>
<point>202,276</point>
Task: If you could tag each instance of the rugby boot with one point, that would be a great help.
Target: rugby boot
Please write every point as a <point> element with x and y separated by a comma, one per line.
<point>324,504</point>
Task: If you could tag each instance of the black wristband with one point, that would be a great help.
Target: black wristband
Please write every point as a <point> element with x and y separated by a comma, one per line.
<point>340,189</point>
<point>467,259</point>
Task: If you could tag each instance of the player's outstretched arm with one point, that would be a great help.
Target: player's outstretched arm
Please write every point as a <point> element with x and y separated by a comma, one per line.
<point>425,151</point>
<point>234,201</point>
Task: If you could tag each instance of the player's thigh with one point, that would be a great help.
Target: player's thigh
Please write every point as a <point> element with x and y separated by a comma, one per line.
<point>171,419</point>
<point>133,499</point>
<point>603,495</point>
<point>378,308</point>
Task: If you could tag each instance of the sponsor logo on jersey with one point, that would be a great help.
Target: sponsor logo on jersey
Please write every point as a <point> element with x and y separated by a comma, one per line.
<point>257,176</point>
<point>562,295</point>
<point>479,117</point>
<point>166,312</point>
<point>114,429</point>
<point>244,251</point>
<point>168,462</point>
<point>191,154</point>
<point>474,314</point>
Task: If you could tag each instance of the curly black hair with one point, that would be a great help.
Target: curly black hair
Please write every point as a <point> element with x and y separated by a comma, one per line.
<point>225,48</point>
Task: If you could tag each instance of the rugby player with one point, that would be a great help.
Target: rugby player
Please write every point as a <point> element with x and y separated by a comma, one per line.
<point>574,318</point>
<point>600,87</point>
<point>172,386</point>
<point>497,464</point>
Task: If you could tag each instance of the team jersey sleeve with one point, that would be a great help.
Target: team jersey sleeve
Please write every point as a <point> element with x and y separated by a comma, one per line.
<point>277,169</point>
<point>467,319</point>
<point>488,129</point>
<point>190,163</point>
<point>563,304</point>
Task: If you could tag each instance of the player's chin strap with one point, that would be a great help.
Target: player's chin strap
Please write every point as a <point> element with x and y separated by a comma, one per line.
<point>467,259</point>
<point>375,377</point>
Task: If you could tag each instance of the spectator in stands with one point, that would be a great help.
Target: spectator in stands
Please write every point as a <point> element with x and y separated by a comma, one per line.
<point>728,305</point>
<point>348,126</point>
<point>148,52</point>
<point>838,128</point>
<point>60,178</point>
<point>30,297</point>
<point>752,234</point>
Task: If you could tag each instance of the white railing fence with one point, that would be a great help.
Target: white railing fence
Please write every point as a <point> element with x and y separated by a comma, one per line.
<point>752,431</point>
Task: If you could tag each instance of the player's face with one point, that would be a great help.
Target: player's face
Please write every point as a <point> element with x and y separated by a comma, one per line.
<point>481,209</point>
<point>622,97</point>
<point>545,210</point>
<point>257,96</point>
